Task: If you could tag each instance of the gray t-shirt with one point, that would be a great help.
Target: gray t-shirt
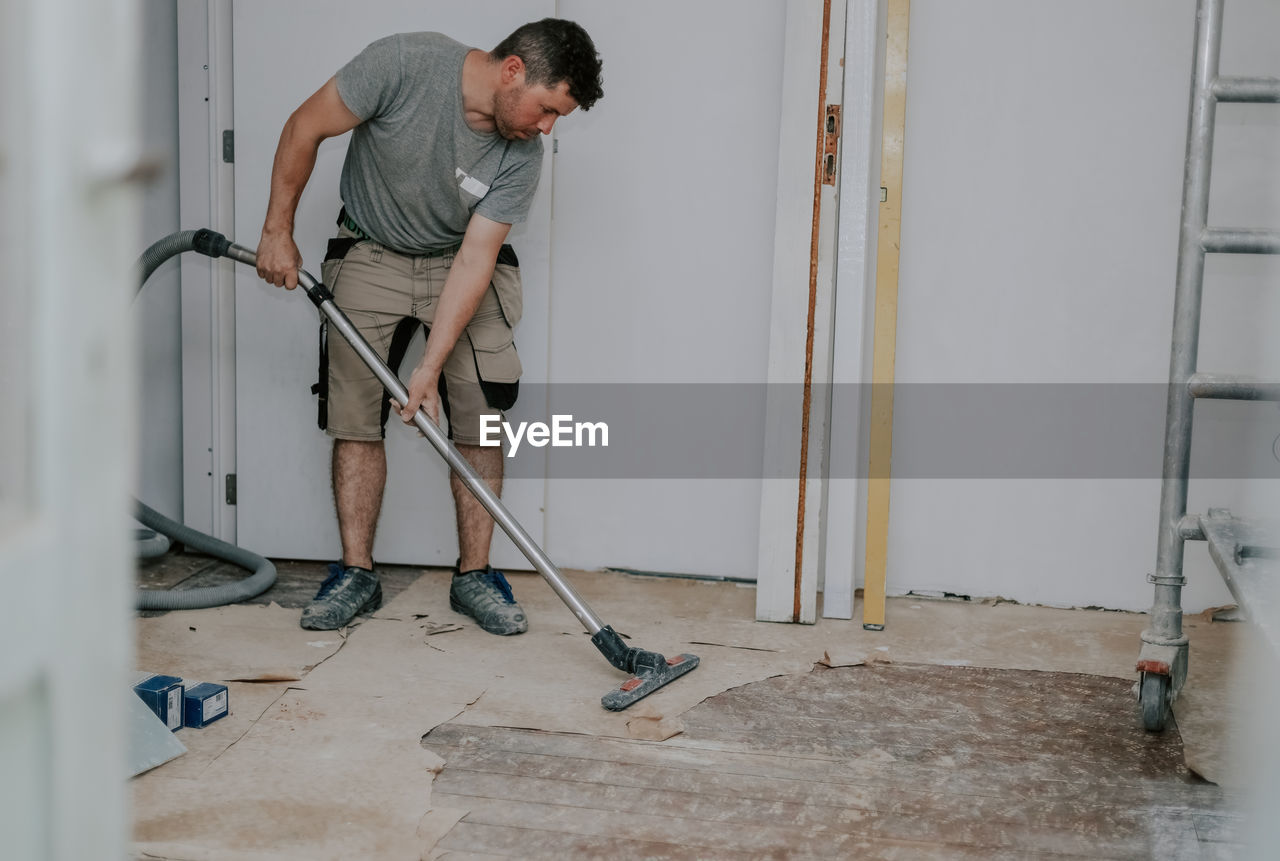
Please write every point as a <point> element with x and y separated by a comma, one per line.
<point>415,171</point>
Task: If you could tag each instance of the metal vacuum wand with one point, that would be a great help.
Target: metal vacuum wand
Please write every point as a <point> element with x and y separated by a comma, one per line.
<point>651,670</point>
<point>459,464</point>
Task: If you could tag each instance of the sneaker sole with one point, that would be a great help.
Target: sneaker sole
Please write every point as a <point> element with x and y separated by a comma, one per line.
<point>458,608</point>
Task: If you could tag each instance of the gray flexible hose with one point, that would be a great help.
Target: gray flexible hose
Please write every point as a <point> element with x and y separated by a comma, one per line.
<point>264,573</point>
<point>161,250</point>
<point>151,544</point>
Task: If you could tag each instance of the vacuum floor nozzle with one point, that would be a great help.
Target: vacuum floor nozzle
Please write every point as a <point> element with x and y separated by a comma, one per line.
<point>652,671</point>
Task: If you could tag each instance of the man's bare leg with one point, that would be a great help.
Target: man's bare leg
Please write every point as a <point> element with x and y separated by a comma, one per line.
<point>359,473</point>
<point>475,525</point>
<point>485,597</point>
<point>359,476</point>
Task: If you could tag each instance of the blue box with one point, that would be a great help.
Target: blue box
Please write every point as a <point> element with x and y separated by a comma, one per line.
<point>163,695</point>
<point>203,704</point>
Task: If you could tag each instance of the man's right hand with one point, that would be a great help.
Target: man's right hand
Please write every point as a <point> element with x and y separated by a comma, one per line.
<point>278,259</point>
<point>324,115</point>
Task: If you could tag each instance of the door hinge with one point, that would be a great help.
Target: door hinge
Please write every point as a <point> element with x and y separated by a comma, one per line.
<point>231,488</point>
<point>831,142</point>
<point>229,146</point>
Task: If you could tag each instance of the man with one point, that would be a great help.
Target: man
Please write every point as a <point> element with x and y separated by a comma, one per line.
<point>445,156</point>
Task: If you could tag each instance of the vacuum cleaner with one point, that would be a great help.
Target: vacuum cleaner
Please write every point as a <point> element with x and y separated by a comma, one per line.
<point>648,670</point>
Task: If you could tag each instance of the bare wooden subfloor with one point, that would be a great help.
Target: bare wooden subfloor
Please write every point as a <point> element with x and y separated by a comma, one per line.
<point>883,760</point>
<point>878,761</point>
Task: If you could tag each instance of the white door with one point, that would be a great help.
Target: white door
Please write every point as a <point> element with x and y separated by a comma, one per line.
<point>68,236</point>
<point>283,52</point>
<point>665,208</point>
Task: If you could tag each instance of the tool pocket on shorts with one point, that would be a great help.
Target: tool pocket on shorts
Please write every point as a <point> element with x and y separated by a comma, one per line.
<point>495,351</point>
<point>506,283</point>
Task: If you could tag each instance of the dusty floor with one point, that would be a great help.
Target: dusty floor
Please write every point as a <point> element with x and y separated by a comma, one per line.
<point>414,734</point>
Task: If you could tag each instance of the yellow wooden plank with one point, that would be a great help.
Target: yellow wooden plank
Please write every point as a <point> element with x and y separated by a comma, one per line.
<point>886,314</point>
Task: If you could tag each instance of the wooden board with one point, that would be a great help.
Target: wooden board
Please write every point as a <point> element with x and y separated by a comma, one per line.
<point>879,761</point>
<point>886,314</point>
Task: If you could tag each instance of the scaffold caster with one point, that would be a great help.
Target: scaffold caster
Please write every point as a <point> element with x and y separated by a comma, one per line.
<point>1156,701</point>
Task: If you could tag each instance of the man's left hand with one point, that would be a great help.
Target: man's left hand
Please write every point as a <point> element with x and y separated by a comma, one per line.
<point>423,394</point>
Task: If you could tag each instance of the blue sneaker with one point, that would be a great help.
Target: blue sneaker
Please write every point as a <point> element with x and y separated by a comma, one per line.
<point>345,594</point>
<point>485,595</point>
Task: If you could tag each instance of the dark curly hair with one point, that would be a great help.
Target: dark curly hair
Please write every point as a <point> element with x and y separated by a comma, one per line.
<point>555,50</point>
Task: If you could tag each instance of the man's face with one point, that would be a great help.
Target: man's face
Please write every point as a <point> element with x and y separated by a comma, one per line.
<point>524,111</point>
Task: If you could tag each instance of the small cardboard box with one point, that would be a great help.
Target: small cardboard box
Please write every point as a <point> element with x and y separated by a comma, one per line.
<point>203,704</point>
<point>163,695</point>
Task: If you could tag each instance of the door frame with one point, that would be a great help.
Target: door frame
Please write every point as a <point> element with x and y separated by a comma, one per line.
<point>207,198</point>
<point>855,311</point>
<point>798,551</point>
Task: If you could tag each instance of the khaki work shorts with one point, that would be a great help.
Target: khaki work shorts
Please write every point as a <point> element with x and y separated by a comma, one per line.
<point>387,296</point>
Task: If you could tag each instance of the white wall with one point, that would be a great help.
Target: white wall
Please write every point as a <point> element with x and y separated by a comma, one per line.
<point>158,308</point>
<point>1043,171</point>
<point>662,263</point>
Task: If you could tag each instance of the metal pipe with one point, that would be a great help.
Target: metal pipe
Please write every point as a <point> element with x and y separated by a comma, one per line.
<point>1265,90</point>
<point>1239,240</point>
<point>1166,613</point>
<point>501,515</point>
<point>1232,387</point>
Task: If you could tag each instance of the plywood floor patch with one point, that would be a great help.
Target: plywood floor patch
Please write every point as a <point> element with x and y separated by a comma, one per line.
<point>875,760</point>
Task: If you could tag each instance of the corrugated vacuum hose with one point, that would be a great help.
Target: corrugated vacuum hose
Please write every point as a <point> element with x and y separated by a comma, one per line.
<point>263,572</point>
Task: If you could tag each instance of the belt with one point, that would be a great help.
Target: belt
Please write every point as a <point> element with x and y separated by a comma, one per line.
<point>349,223</point>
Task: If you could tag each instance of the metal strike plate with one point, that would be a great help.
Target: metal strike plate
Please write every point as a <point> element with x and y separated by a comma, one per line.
<point>831,144</point>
